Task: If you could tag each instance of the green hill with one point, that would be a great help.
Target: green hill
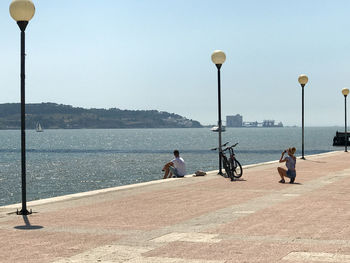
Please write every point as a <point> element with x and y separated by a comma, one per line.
<point>58,116</point>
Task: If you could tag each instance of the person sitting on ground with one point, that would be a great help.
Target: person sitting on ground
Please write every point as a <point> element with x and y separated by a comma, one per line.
<point>175,168</point>
<point>290,163</point>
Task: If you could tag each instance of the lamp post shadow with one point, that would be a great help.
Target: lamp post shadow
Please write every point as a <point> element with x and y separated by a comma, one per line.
<point>28,225</point>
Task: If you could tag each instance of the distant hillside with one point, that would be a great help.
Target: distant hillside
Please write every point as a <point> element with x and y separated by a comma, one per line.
<point>58,116</point>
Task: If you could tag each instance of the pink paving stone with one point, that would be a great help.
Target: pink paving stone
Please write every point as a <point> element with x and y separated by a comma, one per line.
<point>239,251</point>
<point>321,214</point>
<point>41,246</point>
<point>150,210</point>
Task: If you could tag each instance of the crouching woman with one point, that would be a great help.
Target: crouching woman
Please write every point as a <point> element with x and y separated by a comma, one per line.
<point>290,161</point>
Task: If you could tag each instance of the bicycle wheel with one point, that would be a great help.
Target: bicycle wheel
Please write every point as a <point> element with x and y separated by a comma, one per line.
<point>236,168</point>
<point>226,166</point>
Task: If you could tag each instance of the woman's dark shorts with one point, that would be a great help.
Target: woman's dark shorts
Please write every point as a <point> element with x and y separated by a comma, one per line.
<point>291,174</point>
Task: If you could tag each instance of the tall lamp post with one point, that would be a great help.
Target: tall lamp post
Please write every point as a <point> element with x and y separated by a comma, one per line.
<point>345,92</point>
<point>303,79</point>
<point>22,11</point>
<point>218,57</point>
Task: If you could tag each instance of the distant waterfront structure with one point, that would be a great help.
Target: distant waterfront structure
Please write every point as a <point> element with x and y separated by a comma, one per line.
<point>271,123</point>
<point>237,121</point>
<point>234,121</point>
<point>264,124</point>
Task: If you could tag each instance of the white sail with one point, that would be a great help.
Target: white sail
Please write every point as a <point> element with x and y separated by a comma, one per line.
<point>38,127</point>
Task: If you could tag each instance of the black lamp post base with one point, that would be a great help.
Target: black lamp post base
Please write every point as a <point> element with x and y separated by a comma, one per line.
<point>303,158</point>
<point>24,212</point>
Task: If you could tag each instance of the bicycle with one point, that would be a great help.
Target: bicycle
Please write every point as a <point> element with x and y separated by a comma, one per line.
<point>235,165</point>
<point>231,165</point>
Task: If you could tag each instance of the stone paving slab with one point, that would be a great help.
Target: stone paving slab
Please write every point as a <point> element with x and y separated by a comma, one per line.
<point>195,219</point>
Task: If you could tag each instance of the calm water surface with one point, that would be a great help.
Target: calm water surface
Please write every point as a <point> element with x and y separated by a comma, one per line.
<point>62,162</point>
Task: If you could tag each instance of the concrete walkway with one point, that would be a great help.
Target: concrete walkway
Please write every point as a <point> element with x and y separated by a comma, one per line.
<point>196,219</point>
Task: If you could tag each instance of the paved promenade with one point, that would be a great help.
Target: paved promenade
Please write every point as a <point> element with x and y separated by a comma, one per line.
<point>192,220</point>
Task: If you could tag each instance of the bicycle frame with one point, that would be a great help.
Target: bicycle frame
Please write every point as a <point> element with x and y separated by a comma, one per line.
<point>232,154</point>
<point>230,163</point>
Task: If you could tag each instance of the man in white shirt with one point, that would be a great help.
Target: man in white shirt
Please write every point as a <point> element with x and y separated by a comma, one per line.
<point>175,168</point>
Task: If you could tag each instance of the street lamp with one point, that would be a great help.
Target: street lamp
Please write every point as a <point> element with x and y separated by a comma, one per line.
<point>218,57</point>
<point>303,79</point>
<point>22,11</point>
<point>345,92</point>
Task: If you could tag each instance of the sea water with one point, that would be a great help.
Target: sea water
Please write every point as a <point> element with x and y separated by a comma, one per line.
<point>61,162</point>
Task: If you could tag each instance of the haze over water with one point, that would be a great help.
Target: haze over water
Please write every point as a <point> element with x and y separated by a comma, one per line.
<point>61,162</point>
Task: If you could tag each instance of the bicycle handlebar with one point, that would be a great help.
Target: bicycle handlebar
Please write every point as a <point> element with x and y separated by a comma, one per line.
<point>214,149</point>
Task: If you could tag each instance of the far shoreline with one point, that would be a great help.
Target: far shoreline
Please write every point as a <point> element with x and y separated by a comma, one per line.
<point>175,128</point>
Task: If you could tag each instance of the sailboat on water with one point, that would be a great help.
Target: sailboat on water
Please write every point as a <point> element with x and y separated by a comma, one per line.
<point>38,127</point>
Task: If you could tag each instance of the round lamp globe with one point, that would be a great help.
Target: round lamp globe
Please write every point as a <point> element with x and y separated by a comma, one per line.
<point>22,10</point>
<point>303,79</point>
<point>345,91</point>
<point>218,57</point>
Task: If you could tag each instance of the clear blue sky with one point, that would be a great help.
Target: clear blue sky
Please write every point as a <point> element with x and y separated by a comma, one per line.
<point>155,54</point>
